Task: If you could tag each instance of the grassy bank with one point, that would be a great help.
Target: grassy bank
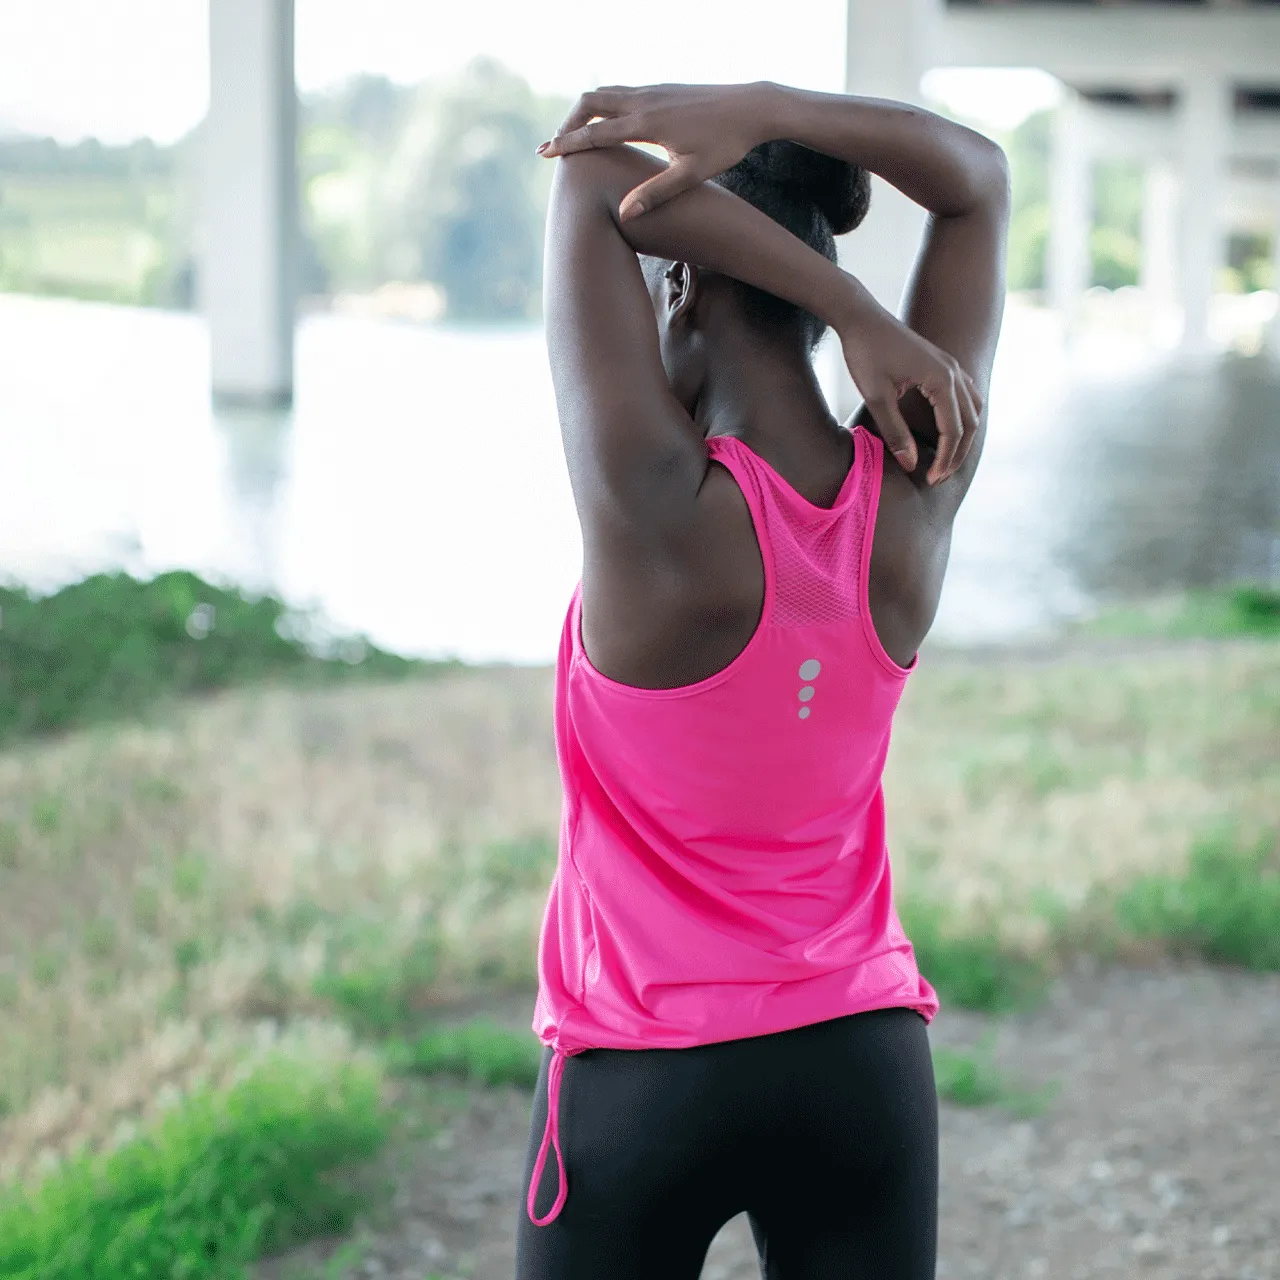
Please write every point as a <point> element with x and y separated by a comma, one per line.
<point>223,1176</point>
<point>365,852</point>
<point>1244,610</point>
<point>111,647</point>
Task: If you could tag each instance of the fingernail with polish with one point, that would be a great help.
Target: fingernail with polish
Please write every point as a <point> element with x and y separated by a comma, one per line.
<point>542,148</point>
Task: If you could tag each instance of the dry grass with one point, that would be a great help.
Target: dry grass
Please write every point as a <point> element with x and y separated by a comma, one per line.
<point>165,887</point>
<point>1021,793</point>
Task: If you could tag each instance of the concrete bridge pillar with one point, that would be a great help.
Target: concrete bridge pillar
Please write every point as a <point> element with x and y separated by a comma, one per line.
<point>889,47</point>
<point>1206,123</point>
<point>1159,272</point>
<point>1067,263</point>
<point>1273,330</point>
<point>247,278</point>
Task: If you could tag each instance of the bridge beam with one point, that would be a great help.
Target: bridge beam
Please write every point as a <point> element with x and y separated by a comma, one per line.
<point>1116,45</point>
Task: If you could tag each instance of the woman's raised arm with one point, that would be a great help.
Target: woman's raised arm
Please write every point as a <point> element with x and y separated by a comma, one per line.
<point>956,296</point>
<point>712,229</point>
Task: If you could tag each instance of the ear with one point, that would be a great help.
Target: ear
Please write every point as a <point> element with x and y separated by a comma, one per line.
<point>682,283</point>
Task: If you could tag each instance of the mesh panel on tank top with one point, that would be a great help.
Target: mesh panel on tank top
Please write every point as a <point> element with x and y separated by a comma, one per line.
<point>816,569</point>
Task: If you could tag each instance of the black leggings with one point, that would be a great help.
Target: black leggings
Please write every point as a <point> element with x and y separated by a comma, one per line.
<point>826,1135</point>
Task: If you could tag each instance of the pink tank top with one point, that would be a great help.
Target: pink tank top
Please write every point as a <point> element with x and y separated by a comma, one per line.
<point>722,869</point>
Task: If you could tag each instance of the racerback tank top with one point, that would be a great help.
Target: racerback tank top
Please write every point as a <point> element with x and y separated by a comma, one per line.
<point>722,868</point>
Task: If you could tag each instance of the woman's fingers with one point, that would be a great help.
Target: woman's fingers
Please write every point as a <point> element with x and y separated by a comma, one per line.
<point>593,134</point>
<point>974,394</point>
<point>601,102</point>
<point>969,400</point>
<point>971,414</point>
<point>679,176</point>
<point>942,395</point>
<point>893,427</point>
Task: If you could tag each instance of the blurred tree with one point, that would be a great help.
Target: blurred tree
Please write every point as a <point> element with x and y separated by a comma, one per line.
<point>1115,243</point>
<point>345,138</point>
<point>438,183</point>
<point>1029,148</point>
<point>1250,262</point>
<point>467,196</point>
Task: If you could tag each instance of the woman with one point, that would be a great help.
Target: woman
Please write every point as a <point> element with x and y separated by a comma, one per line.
<point>733,1017</point>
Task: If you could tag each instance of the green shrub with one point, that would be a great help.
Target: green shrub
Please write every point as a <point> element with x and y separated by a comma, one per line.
<point>970,1078</point>
<point>1225,908</point>
<point>974,970</point>
<point>110,646</point>
<point>478,1050</point>
<point>376,989</point>
<point>1245,609</point>
<point>220,1180</point>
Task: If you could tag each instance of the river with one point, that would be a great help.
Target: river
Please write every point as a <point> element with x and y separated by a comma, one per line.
<point>416,492</point>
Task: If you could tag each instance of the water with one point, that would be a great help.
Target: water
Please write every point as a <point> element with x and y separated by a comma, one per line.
<point>417,490</point>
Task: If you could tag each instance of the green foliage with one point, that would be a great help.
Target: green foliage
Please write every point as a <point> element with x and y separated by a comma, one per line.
<point>100,938</point>
<point>220,1180</point>
<point>1116,257</point>
<point>1251,260</point>
<point>378,989</point>
<point>1115,243</point>
<point>1246,609</point>
<point>479,1051</point>
<point>47,965</point>
<point>189,874</point>
<point>1028,244</point>
<point>1225,908</point>
<point>1029,148</point>
<point>146,908</point>
<point>473,208</point>
<point>346,136</point>
<point>1115,239</point>
<point>973,971</point>
<point>510,866</point>
<point>970,1078</point>
<point>10,846</point>
<point>110,646</point>
<point>437,183</point>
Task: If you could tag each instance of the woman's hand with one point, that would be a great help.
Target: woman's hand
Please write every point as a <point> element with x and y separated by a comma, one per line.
<point>705,129</point>
<point>886,360</point>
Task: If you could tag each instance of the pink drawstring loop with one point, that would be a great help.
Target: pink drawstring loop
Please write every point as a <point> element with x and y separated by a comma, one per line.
<point>550,1133</point>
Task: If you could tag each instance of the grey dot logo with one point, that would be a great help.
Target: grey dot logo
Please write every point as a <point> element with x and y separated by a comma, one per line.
<point>804,713</point>
<point>809,669</point>
<point>806,693</point>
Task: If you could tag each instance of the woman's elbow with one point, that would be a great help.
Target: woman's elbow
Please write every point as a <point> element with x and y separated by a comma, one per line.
<point>996,181</point>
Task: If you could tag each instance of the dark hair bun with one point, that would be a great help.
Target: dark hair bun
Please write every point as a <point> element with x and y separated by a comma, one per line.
<point>814,197</point>
<point>840,191</point>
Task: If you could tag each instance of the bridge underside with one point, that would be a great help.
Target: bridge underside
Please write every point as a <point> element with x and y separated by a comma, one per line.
<point>1189,87</point>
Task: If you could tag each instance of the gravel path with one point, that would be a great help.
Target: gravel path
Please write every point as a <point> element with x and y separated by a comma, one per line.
<point>1159,1156</point>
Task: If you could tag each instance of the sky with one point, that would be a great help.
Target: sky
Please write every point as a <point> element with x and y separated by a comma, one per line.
<point>121,69</point>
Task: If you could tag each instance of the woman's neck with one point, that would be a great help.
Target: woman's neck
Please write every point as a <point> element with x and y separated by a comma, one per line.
<point>770,399</point>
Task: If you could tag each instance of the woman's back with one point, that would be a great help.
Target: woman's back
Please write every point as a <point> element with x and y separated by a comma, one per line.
<point>723,865</point>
